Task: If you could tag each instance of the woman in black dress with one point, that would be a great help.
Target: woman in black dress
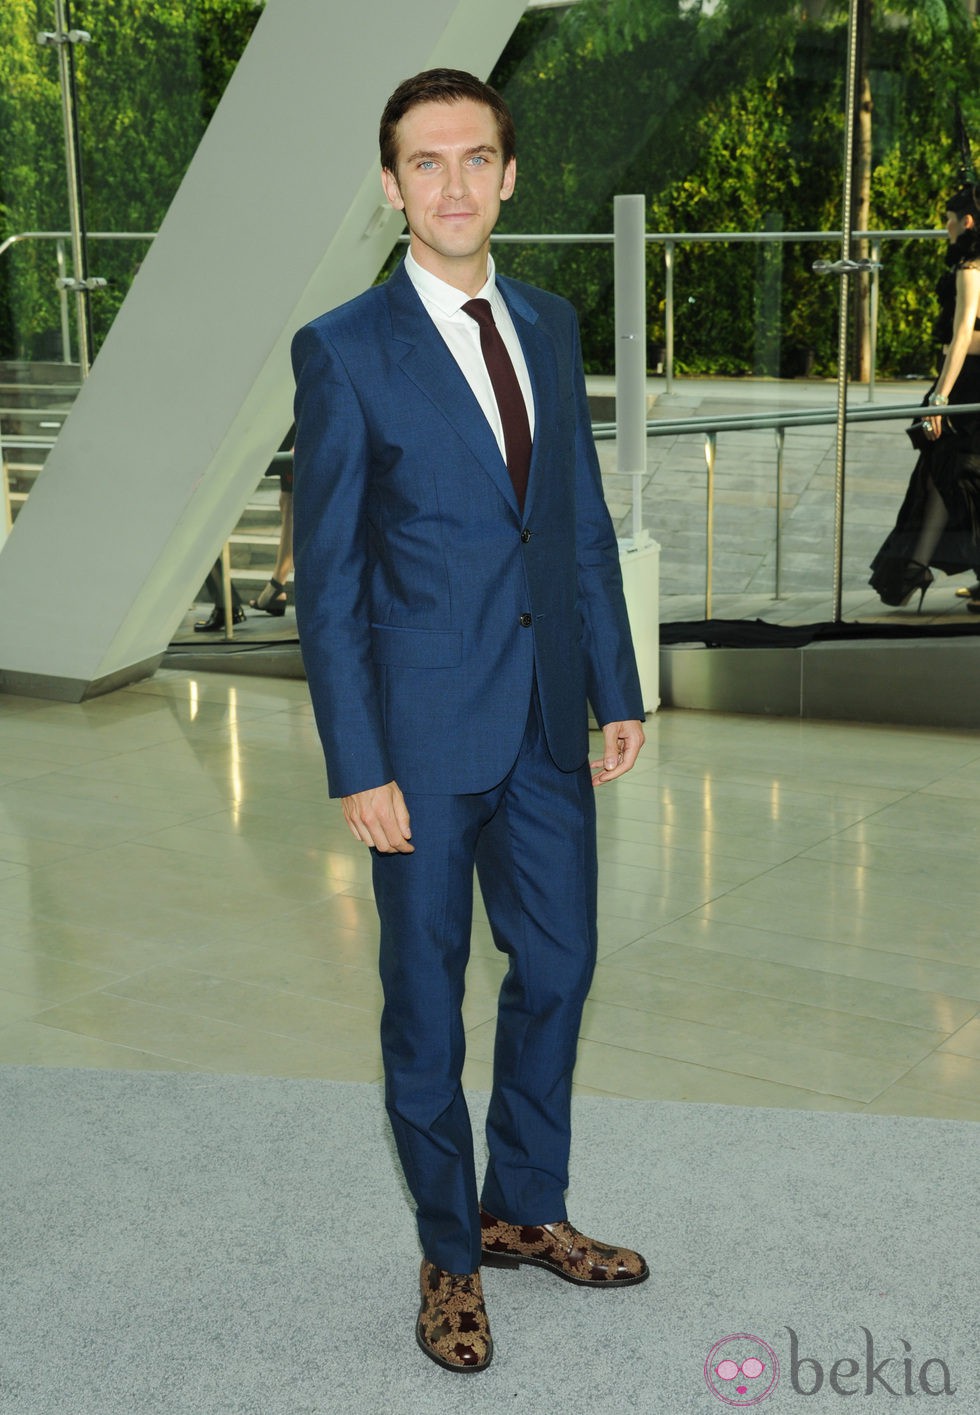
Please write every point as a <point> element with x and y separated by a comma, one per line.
<point>939,521</point>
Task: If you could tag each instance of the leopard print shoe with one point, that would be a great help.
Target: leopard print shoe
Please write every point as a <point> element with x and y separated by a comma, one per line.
<point>452,1328</point>
<point>562,1250</point>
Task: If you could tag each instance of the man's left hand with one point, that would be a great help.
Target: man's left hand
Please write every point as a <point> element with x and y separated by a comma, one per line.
<point>621,747</point>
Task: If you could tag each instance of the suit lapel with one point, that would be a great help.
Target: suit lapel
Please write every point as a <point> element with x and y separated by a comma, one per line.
<point>432,368</point>
<point>539,355</point>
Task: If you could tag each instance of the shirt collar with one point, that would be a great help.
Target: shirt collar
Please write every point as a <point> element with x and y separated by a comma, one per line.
<point>446,298</point>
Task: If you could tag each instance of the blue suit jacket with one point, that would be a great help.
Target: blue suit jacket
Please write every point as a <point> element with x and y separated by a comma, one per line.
<point>425,601</point>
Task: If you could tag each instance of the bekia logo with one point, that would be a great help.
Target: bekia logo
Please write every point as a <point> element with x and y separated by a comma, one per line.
<point>848,1375</point>
<point>743,1370</point>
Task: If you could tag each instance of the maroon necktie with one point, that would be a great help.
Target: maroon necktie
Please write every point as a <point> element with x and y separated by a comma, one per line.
<point>507,391</point>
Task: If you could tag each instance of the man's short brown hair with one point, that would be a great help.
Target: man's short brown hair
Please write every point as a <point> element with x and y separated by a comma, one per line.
<point>442,86</point>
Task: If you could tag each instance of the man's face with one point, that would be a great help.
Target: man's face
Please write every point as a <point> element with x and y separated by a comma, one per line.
<point>450,182</point>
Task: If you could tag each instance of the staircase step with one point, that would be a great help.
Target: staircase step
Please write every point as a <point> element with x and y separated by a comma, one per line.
<point>255,538</point>
<point>37,372</point>
<point>31,418</point>
<point>36,398</point>
<point>31,386</point>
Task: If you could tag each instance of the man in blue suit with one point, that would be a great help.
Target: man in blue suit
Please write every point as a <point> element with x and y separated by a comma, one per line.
<point>460,603</point>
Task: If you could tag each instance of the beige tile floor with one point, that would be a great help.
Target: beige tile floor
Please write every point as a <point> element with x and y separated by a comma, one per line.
<point>789,910</point>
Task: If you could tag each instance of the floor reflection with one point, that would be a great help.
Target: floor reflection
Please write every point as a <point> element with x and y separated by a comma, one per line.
<point>787,908</point>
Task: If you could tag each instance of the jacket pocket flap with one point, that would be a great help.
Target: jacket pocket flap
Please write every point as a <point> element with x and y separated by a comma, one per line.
<point>416,648</point>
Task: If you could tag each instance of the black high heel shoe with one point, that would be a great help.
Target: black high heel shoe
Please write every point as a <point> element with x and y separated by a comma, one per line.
<point>916,577</point>
<point>271,599</point>
<point>216,620</point>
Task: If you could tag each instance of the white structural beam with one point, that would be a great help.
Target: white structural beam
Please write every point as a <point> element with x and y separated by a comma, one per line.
<point>279,217</point>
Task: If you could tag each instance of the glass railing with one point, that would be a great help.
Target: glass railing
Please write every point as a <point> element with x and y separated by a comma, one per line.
<point>664,355</point>
<point>54,339</point>
<point>779,561</point>
<point>772,543</point>
<point>674,296</point>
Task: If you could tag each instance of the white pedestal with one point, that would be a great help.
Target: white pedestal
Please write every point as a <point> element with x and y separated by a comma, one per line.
<point>640,561</point>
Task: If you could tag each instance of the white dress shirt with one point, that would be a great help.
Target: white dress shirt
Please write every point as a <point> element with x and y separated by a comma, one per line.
<point>443,303</point>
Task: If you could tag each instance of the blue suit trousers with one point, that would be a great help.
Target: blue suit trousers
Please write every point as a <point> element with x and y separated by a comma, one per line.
<point>532,841</point>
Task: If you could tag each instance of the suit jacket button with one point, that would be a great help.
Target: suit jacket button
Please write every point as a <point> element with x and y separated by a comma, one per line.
<point>525,621</point>
<point>525,535</point>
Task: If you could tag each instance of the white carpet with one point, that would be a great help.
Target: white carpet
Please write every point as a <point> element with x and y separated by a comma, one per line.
<point>178,1244</point>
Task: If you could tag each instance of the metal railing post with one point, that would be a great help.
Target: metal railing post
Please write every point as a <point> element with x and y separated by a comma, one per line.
<point>226,592</point>
<point>850,105</point>
<point>875,293</point>
<point>710,447</point>
<point>669,314</point>
<point>64,39</point>
<point>61,285</point>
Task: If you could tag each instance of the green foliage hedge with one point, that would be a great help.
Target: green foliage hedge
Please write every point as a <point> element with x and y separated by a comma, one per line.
<point>727,116</point>
<point>147,85</point>
<point>732,121</point>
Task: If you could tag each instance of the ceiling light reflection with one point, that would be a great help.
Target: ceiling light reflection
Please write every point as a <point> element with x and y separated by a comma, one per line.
<point>235,757</point>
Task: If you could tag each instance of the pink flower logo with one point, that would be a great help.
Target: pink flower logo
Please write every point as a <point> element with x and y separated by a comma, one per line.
<point>741,1370</point>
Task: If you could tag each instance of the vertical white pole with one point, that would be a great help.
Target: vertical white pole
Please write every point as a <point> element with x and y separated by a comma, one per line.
<point>629,228</point>
<point>6,517</point>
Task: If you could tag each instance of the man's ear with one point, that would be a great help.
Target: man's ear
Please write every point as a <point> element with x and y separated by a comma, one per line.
<point>390,187</point>
<point>510,180</point>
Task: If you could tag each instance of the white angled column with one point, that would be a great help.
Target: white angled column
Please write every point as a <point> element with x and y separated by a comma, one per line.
<point>629,218</point>
<point>279,217</point>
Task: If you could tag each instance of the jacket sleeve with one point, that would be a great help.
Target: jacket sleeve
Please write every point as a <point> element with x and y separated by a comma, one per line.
<point>612,680</point>
<point>332,554</point>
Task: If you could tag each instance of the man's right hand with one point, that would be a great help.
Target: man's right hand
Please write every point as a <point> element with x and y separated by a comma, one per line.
<point>379,817</point>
